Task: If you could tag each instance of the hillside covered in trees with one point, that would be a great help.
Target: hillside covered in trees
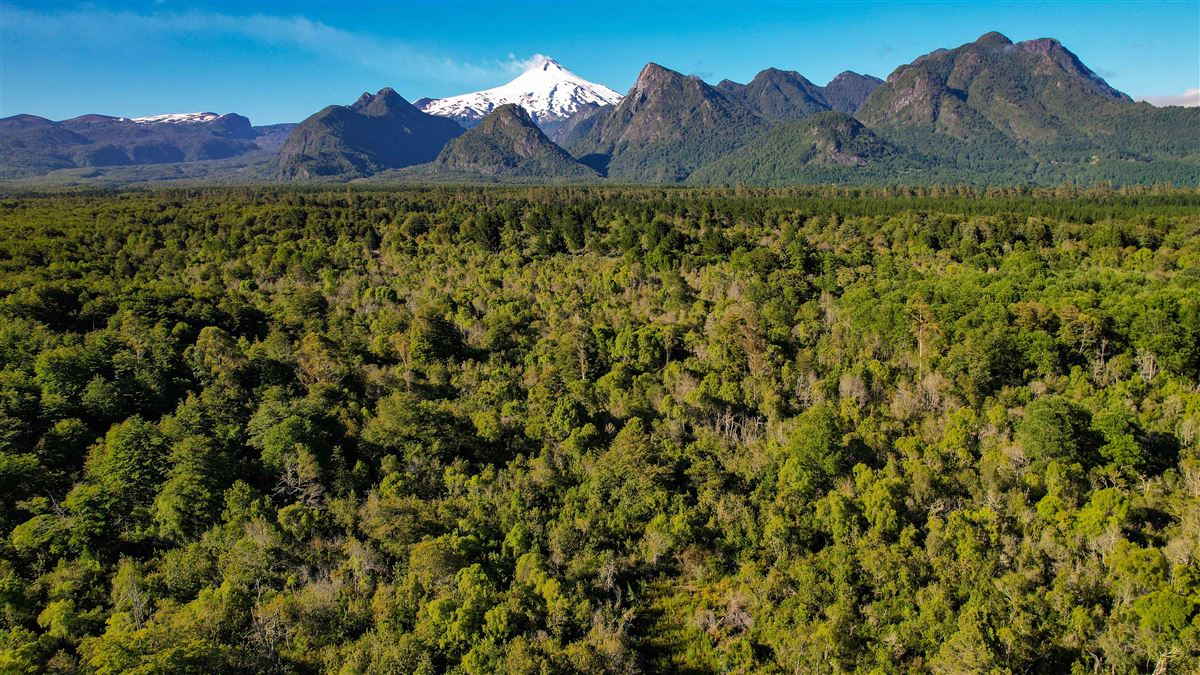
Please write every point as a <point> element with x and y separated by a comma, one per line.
<point>600,430</point>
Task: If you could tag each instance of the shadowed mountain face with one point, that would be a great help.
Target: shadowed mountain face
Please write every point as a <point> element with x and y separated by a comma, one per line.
<point>508,143</point>
<point>666,126</point>
<point>578,125</point>
<point>33,145</point>
<point>378,132</point>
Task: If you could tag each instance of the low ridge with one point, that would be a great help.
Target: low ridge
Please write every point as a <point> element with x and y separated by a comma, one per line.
<point>31,145</point>
<point>508,143</point>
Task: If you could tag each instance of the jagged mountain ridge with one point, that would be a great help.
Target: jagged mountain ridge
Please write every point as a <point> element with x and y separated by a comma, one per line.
<point>664,128</point>
<point>786,95</point>
<point>779,95</point>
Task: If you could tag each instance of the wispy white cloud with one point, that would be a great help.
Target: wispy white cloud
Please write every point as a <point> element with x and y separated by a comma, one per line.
<point>97,26</point>
<point>516,64</point>
<point>1188,99</point>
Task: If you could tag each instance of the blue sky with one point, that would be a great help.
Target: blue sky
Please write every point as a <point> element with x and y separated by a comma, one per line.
<point>281,61</point>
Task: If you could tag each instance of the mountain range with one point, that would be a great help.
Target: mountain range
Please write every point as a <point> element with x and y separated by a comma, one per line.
<point>784,95</point>
<point>31,145</point>
<point>989,111</point>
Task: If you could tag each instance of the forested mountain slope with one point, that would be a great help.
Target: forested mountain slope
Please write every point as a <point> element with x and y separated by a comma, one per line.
<point>664,128</point>
<point>587,430</point>
<point>994,105</point>
<point>778,95</point>
<point>827,147</point>
<point>508,143</point>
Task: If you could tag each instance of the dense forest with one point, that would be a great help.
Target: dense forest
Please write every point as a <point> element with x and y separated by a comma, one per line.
<point>580,430</point>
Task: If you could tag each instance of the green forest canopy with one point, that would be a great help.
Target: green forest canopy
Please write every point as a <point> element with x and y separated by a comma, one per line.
<point>600,430</point>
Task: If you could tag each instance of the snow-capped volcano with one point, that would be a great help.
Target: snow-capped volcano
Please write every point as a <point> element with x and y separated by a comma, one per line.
<point>546,90</point>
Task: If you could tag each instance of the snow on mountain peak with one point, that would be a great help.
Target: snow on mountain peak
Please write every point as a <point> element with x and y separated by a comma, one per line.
<point>546,90</point>
<point>177,118</point>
